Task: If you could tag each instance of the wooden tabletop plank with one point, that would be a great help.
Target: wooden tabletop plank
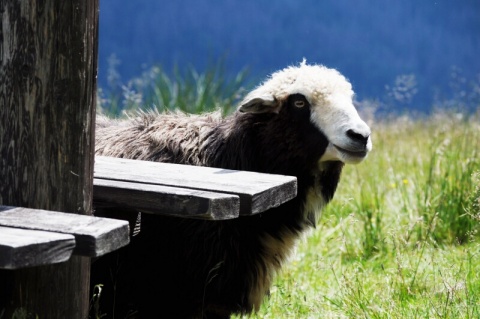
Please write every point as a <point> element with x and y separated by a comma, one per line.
<point>160,199</point>
<point>20,248</point>
<point>94,236</point>
<point>257,191</point>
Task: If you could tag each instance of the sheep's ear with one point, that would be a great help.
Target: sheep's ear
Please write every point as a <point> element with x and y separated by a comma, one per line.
<point>260,104</point>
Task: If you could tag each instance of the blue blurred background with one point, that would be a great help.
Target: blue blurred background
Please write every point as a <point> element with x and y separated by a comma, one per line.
<point>413,53</point>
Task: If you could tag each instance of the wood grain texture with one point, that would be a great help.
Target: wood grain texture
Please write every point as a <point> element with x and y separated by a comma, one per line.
<point>257,191</point>
<point>48,65</point>
<point>20,248</point>
<point>94,236</point>
<point>158,199</point>
<point>47,94</point>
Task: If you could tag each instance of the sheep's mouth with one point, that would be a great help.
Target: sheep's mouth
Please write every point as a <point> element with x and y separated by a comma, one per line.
<point>352,153</point>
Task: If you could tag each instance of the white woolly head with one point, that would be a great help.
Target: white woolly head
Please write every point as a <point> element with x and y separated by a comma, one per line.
<point>332,111</point>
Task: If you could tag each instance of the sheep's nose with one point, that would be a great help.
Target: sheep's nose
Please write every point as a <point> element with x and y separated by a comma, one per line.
<point>359,136</point>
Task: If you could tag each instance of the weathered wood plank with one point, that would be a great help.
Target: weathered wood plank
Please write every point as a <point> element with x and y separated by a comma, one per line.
<point>20,248</point>
<point>160,199</point>
<point>258,192</point>
<point>94,236</point>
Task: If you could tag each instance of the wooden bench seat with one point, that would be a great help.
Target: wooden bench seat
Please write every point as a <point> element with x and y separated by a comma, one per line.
<point>33,237</point>
<point>21,248</point>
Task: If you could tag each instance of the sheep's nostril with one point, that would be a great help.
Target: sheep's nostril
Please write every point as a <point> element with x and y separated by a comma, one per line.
<point>358,137</point>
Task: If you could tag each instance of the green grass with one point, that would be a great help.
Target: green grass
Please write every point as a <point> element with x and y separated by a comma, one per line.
<point>401,237</point>
<point>187,90</point>
<point>419,283</point>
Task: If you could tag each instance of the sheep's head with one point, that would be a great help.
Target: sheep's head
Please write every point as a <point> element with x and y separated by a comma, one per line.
<point>329,96</point>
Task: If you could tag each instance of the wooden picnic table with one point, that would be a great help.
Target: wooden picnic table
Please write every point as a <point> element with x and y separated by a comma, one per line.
<point>33,237</point>
<point>188,191</point>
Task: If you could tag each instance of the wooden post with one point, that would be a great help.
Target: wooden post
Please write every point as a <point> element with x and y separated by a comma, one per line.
<point>48,59</point>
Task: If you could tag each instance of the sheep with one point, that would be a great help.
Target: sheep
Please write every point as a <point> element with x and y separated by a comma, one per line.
<point>302,122</point>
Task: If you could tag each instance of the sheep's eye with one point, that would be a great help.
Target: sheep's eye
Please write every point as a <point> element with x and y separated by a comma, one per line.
<point>299,103</point>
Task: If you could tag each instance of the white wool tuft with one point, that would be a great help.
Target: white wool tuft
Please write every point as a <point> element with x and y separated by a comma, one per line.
<point>314,81</point>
